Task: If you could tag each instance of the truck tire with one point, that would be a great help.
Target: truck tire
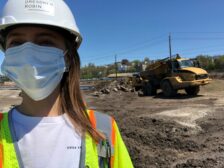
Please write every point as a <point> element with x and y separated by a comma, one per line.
<point>167,89</point>
<point>149,89</point>
<point>192,91</point>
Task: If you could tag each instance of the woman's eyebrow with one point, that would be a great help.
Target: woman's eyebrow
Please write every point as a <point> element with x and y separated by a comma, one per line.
<point>14,34</point>
<point>45,34</point>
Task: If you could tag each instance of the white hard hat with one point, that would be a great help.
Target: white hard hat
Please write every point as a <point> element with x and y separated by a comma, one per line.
<point>42,12</point>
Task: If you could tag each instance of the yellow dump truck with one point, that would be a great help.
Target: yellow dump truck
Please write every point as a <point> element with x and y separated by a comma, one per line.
<point>171,75</point>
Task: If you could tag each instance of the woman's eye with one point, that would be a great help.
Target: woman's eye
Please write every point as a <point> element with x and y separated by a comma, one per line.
<point>15,43</point>
<point>46,43</point>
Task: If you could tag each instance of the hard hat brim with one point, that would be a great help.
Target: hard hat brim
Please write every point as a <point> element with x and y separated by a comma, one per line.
<point>77,36</point>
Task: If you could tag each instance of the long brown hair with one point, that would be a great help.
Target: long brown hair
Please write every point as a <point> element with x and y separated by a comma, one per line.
<point>71,98</point>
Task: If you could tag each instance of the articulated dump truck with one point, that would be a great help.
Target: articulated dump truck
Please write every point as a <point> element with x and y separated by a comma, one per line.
<point>171,75</point>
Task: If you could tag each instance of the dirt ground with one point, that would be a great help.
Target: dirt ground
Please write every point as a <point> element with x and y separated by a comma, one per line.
<point>182,132</point>
<point>9,98</point>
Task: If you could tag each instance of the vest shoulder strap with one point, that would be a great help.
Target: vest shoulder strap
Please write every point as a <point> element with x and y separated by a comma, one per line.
<point>104,124</point>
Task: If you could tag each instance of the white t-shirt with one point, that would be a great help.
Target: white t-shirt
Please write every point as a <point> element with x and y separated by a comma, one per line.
<point>46,142</point>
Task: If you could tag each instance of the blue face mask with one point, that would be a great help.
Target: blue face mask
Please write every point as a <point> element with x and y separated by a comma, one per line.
<point>37,70</point>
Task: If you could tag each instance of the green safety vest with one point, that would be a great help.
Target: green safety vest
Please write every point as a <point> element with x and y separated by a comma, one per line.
<point>111,153</point>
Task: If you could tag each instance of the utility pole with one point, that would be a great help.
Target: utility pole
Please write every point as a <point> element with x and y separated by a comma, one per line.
<point>116,65</point>
<point>170,48</point>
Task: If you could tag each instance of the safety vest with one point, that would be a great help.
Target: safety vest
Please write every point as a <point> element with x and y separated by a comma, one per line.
<point>110,153</point>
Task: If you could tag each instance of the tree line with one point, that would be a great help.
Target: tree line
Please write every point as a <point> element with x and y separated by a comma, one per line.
<point>209,63</point>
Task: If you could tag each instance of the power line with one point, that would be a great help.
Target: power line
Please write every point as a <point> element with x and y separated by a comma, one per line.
<point>124,51</point>
<point>119,52</point>
<point>142,47</point>
<point>199,48</point>
<point>198,32</point>
<point>212,50</point>
<point>197,38</point>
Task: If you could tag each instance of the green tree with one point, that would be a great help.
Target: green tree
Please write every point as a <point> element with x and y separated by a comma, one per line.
<point>206,62</point>
<point>219,63</point>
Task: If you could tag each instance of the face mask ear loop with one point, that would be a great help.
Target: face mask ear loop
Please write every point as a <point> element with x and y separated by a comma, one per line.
<point>67,66</point>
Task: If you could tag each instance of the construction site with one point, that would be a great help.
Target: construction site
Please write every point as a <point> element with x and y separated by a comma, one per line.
<point>167,125</point>
<point>156,67</point>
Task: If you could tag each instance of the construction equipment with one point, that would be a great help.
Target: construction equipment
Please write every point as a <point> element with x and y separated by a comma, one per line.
<point>170,75</point>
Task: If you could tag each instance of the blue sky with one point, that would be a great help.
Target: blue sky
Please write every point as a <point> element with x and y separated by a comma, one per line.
<point>135,29</point>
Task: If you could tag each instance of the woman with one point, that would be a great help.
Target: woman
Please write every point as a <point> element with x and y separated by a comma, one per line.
<point>51,127</point>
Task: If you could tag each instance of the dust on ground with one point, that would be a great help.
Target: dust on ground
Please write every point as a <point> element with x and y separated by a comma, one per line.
<point>182,132</point>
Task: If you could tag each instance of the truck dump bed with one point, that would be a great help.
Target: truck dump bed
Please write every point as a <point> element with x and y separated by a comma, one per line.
<point>157,69</point>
